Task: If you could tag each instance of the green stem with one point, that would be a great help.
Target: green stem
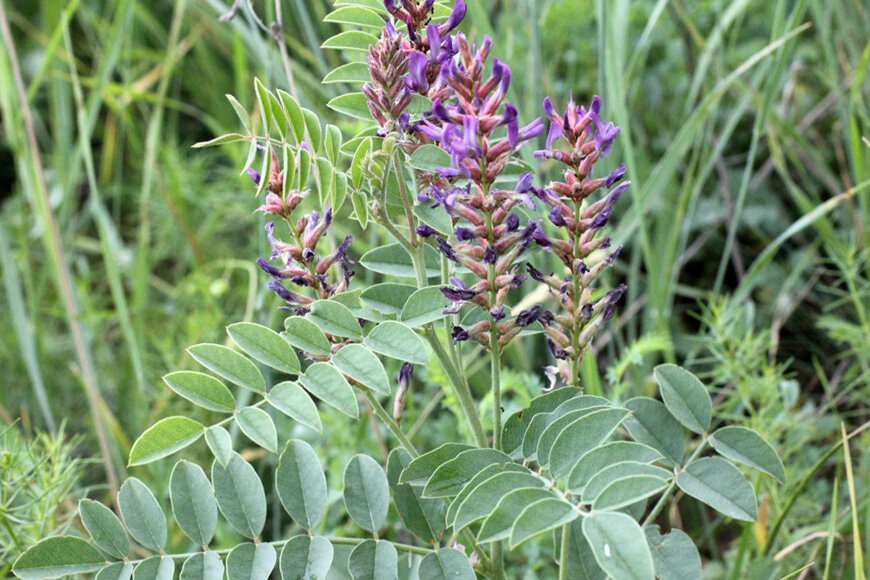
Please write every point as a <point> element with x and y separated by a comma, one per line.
<point>563,552</point>
<point>495,362</point>
<point>670,490</point>
<point>463,393</point>
<point>575,335</point>
<point>403,193</point>
<point>390,423</point>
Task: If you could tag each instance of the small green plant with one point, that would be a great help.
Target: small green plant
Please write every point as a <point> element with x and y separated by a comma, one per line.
<point>439,173</point>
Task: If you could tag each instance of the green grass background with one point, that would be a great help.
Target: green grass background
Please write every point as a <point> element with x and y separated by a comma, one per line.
<point>744,127</point>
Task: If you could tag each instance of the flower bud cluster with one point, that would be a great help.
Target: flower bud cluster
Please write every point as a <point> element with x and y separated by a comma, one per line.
<point>297,261</point>
<point>589,140</point>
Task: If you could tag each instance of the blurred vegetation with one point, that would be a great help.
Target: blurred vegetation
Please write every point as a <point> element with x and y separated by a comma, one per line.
<point>746,230</point>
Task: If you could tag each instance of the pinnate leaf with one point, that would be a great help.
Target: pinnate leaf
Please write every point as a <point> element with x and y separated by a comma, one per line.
<point>395,340</point>
<point>202,389</point>
<point>611,453</point>
<point>327,384</point>
<point>301,484</point>
<point>292,400</point>
<point>142,514</point>
<point>259,427</point>
<point>240,495</point>
<point>373,560</point>
<point>451,476</point>
<point>421,469</point>
<point>304,335</point>
<point>446,564</point>
<point>230,365</point>
<point>58,556</point>
<point>747,447</point>
<point>203,566</point>
<point>651,424</point>
<point>422,517</point>
<point>619,545</point>
<point>193,502</point>
<point>674,554</point>
<point>165,438</point>
<point>306,558</point>
<point>220,443</point>
<point>264,345</point>
<point>105,529</point>
<point>685,397</point>
<point>366,492</point>
<point>720,485</point>
<point>542,516</point>
<point>251,561</point>
<point>361,364</point>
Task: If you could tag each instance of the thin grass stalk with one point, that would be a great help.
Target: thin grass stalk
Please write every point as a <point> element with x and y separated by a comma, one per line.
<point>54,246</point>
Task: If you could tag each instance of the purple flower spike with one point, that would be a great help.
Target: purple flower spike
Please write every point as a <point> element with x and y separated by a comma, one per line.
<point>595,107</point>
<point>613,255</point>
<point>513,222</point>
<point>509,118</point>
<point>490,256</point>
<point>405,375</point>
<point>446,249</point>
<point>417,66</point>
<point>390,5</point>
<point>556,217</point>
<point>269,268</point>
<point>425,231</point>
<point>604,215</point>
<point>553,134</point>
<point>615,176</point>
<point>459,295</point>
<point>604,136</point>
<point>524,183</point>
<point>308,254</point>
<point>278,289</point>
<point>255,175</point>
<point>549,109</point>
<point>527,317</point>
<point>459,334</point>
<point>456,16</point>
<point>497,313</point>
<point>464,234</point>
<point>536,274</point>
<point>341,251</point>
<point>540,238</point>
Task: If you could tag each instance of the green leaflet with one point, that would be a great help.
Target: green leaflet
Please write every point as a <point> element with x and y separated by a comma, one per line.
<point>193,502</point>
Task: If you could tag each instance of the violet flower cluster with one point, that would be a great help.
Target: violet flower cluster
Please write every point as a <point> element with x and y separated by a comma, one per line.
<point>588,141</point>
<point>297,261</point>
<point>473,123</point>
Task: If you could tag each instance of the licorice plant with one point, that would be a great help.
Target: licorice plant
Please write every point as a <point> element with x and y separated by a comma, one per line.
<point>438,169</point>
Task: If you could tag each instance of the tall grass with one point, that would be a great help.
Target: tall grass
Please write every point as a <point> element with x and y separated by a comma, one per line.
<point>742,133</point>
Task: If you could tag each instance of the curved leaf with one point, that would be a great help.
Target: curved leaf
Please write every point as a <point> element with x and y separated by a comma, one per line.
<point>259,427</point>
<point>674,554</point>
<point>264,345</point>
<point>481,501</point>
<point>421,468</point>
<point>446,564</point>
<point>351,40</point>
<point>203,566</point>
<point>395,340</point>
<point>142,514</point>
<point>155,568</point>
<point>240,496</point>
<point>292,400</point>
<point>580,436</point>
<point>220,443</point>
<point>202,389</point>
<point>361,364</point>
<point>597,459</point>
<point>193,502</point>
<point>306,558</point>
<point>451,476</point>
<point>58,556</point>
<point>387,298</point>
<point>479,477</point>
<point>497,526</point>
<point>627,491</point>
<point>304,335</point>
<point>165,438</point>
<point>422,517</point>
<point>374,560</point>
<point>619,470</point>
<point>393,260</point>
<point>685,397</point>
<point>746,446</point>
<point>651,424</point>
<point>230,365</point>
<point>366,492</point>
<point>515,426</point>
<point>424,306</point>
<point>327,384</point>
<point>105,528</point>
<point>541,516</point>
<point>334,318</point>
<point>116,571</point>
<point>720,485</point>
<point>251,561</point>
<point>619,545</point>
<point>301,484</point>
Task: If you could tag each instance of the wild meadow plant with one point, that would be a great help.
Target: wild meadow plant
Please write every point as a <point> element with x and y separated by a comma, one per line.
<point>439,172</point>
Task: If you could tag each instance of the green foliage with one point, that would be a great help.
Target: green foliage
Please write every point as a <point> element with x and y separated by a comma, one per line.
<point>745,137</point>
